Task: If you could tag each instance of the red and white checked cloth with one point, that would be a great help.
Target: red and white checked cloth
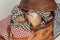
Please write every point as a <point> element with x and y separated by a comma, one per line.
<point>20,33</point>
<point>4,24</point>
<point>15,32</point>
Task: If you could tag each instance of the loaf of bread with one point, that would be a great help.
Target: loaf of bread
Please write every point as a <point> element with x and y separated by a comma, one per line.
<point>34,19</point>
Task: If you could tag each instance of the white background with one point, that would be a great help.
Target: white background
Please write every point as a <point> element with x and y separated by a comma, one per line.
<point>7,5</point>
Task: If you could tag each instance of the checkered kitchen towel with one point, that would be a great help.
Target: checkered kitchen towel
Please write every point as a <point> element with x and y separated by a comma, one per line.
<point>4,24</point>
<point>8,31</point>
